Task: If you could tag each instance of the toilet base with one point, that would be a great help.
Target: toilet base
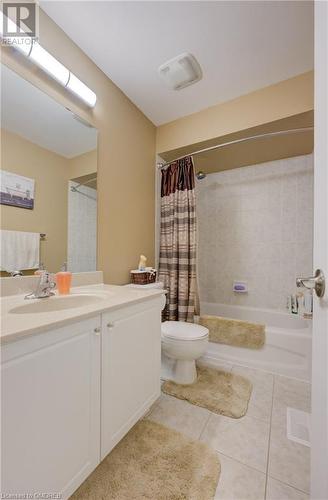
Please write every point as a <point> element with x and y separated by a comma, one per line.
<point>185,372</point>
<point>167,367</point>
<point>179,371</point>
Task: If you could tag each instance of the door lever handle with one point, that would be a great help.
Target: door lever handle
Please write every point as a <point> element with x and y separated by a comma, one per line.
<point>316,282</point>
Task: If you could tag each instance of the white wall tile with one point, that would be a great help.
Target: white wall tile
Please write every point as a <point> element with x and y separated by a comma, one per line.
<point>82,229</point>
<point>255,223</point>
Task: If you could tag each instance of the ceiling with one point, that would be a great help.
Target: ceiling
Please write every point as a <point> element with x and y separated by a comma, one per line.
<point>241,46</point>
<point>32,114</point>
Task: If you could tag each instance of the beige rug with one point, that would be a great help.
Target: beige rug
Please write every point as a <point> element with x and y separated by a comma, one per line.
<point>156,463</point>
<point>234,332</point>
<point>218,391</point>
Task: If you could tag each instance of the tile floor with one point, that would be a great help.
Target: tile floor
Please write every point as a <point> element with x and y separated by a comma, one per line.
<point>257,460</point>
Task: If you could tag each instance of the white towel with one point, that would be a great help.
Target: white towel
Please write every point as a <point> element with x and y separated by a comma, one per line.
<point>19,250</point>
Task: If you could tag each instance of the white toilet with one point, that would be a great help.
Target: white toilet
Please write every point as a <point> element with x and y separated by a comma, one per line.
<point>182,344</point>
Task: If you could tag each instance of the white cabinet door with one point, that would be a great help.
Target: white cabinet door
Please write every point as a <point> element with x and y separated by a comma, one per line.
<point>131,357</point>
<point>51,410</point>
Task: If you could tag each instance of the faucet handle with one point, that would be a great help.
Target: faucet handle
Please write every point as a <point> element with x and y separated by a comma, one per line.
<point>52,284</point>
<point>46,283</point>
<point>316,282</point>
<point>47,280</point>
<point>44,277</point>
<point>52,280</point>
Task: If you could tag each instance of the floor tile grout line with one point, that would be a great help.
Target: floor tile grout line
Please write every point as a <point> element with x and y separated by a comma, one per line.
<point>204,426</point>
<point>264,421</point>
<point>269,443</point>
<point>278,400</point>
<point>268,421</point>
<point>289,485</point>
<point>239,462</point>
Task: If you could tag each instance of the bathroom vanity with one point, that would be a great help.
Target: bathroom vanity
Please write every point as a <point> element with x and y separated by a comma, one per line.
<point>77,373</point>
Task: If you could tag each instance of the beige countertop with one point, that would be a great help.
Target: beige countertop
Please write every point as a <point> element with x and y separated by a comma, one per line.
<point>15,325</point>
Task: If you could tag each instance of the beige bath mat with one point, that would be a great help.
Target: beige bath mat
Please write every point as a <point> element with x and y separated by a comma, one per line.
<point>156,463</point>
<point>218,391</point>
<point>234,332</point>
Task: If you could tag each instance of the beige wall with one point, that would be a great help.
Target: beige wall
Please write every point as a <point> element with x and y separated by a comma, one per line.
<point>50,204</point>
<point>126,154</point>
<point>82,165</point>
<point>282,100</point>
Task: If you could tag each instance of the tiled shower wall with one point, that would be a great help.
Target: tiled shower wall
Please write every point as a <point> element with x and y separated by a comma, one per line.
<point>82,229</point>
<point>255,224</point>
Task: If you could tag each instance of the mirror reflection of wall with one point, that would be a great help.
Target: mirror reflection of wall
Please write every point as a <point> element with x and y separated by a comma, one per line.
<point>43,141</point>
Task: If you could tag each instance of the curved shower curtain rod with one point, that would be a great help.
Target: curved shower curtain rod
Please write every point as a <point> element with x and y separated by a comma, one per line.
<point>236,141</point>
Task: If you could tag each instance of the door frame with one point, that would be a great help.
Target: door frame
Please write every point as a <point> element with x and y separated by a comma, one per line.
<point>319,426</point>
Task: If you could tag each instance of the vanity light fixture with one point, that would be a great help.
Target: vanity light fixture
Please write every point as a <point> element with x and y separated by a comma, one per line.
<point>48,63</point>
<point>80,89</point>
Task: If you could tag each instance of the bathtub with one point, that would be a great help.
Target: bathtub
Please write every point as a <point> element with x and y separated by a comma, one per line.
<point>287,350</point>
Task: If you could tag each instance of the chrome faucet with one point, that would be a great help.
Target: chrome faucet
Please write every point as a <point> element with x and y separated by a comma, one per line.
<point>45,285</point>
<point>316,283</point>
<point>14,274</point>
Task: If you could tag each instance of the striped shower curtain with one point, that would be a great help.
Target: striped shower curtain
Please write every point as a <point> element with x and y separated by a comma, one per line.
<point>177,261</point>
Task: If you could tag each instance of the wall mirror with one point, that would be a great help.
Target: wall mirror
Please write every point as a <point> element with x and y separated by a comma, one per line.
<point>48,182</point>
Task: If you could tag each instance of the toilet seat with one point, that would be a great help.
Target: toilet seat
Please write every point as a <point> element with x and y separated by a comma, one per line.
<point>180,330</point>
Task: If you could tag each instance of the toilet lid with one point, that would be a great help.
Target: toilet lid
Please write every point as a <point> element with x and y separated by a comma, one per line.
<point>181,330</point>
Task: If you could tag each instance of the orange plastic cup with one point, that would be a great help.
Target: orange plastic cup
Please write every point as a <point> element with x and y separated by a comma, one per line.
<point>64,280</point>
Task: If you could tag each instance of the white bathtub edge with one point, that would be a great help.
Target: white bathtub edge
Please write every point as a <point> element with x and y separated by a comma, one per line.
<point>287,350</point>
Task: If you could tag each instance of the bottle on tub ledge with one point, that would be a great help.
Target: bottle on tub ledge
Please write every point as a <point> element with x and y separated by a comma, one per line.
<point>308,304</point>
<point>301,303</point>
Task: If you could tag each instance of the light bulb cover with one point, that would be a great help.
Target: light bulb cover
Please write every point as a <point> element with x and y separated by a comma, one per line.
<point>81,90</point>
<point>22,44</point>
<point>49,64</point>
<point>42,58</point>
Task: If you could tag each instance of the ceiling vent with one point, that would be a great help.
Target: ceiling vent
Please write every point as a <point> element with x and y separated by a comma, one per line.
<point>181,71</point>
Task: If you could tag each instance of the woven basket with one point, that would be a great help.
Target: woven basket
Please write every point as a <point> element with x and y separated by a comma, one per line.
<point>143,277</point>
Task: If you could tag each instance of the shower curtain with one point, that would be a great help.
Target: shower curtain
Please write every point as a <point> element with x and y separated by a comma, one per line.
<point>177,260</point>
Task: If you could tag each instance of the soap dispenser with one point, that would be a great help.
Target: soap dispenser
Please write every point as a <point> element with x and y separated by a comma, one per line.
<point>64,280</point>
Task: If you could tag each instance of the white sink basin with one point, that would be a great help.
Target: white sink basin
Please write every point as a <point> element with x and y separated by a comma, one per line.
<point>58,303</point>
